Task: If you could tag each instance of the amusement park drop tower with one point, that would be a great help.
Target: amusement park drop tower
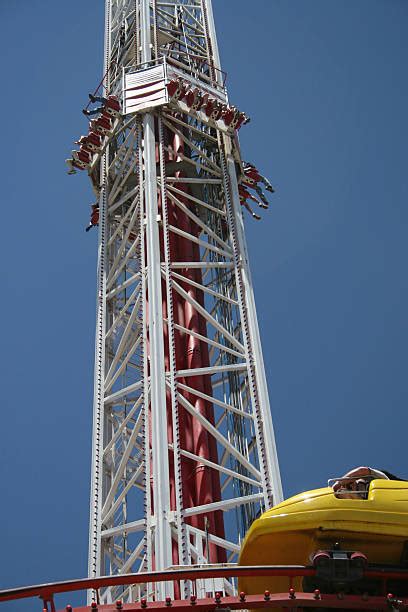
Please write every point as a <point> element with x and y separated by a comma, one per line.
<point>183,455</point>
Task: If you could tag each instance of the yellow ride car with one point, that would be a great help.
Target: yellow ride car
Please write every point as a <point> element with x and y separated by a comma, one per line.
<point>292,532</point>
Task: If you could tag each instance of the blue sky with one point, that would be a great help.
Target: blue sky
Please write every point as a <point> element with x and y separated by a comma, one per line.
<point>325,84</point>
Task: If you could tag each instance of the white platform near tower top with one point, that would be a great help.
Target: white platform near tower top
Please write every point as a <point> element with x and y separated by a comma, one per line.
<point>146,88</point>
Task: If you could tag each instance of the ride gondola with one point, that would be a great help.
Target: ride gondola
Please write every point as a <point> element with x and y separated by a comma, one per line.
<point>355,544</point>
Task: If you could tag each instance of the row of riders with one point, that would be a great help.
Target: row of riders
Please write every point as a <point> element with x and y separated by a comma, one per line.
<point>100,130</point>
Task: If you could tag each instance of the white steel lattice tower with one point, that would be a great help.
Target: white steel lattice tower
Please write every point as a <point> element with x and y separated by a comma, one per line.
<point>184,455</point>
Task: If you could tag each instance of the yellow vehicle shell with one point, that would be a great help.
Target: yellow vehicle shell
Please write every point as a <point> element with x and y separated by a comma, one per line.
<point>292,531</point>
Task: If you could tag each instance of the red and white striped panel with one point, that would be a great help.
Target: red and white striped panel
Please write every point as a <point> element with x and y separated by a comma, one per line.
<point>144,89</point>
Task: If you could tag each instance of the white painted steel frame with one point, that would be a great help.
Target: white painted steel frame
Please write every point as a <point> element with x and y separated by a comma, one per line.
<point>136,271</point>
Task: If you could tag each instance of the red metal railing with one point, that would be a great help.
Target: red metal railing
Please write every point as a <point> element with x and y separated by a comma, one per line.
<point>290,600</point>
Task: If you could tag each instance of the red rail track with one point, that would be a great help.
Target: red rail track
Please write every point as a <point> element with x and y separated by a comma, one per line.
<point>289,600</point>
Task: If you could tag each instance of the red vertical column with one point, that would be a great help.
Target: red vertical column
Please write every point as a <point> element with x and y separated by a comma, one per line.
<point>201,484</point>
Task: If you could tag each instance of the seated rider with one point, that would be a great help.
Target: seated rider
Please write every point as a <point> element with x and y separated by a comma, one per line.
<point>355,483</point>
<point>104,101</point>
<point>253,173</point>
<point>243,195</point>
<point>250,177</point>
<point>94,221</point>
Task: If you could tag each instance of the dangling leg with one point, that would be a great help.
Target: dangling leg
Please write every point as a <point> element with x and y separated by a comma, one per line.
<point>261,194</point>
<point>94,99</point>
<point>259,202</point>
<point>94,111</point>
<point>251,212</point>
<point>267,184</point>
<point>71,169</point>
